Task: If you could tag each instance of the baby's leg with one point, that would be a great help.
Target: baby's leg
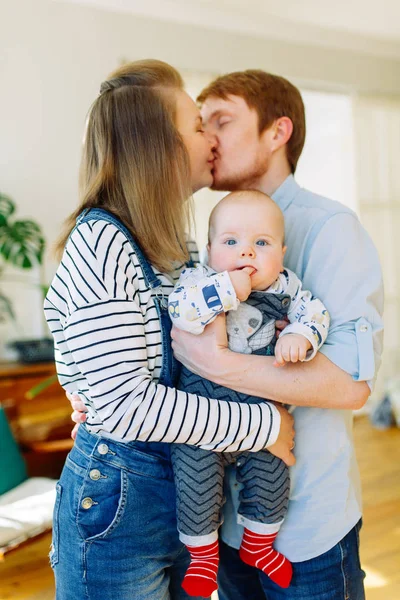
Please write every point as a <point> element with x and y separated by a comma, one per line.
<point>263,505</point>
<point>199,498</point>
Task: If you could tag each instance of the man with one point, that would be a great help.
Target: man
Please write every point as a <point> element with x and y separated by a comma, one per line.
<point>258,123</point>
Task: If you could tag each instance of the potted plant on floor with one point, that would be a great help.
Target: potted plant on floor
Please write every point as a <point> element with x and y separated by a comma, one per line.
<point>22,245</point>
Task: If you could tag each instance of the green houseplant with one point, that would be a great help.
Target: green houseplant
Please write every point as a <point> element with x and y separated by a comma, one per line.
<point>22,246</point>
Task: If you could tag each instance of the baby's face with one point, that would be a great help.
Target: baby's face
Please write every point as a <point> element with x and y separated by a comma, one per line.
<point>248,234</point>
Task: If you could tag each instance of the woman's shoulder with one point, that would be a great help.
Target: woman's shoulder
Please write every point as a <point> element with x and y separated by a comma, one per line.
<point>103,240</point>
<point>102,251</point>
<point>98,234</point>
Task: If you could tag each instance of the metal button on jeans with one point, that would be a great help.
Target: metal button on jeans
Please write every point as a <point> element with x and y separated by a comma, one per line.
<point>87,503</point>
<point>95,474</point>
<point>103,448</point>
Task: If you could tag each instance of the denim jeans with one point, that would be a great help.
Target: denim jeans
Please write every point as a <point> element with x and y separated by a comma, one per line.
<point>334,575</point>
<point>114,533</point>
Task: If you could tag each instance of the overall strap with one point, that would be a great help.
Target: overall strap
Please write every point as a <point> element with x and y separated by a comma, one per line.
<point>101,214</point>
<point>158,449</point>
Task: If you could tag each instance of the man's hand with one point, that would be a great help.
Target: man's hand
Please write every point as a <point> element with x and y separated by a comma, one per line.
<point>291,348</point>
<point>241,281</point>
<point>79,412</point>
<point>200,353</point>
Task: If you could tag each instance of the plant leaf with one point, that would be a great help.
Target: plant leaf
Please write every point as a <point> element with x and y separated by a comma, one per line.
<point>40,387</point>
<point>45,289</point>
<point>22,244</point>
<point>7,208</point>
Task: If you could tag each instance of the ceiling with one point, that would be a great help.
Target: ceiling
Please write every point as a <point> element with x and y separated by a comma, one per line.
<point>371,26</point>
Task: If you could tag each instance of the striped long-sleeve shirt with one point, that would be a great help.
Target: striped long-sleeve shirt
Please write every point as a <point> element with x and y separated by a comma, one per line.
<point>108,349</point>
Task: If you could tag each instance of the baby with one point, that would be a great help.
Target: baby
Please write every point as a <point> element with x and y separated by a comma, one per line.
<point>247,280</point>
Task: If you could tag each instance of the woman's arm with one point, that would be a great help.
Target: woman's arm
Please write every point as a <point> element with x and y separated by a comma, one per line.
<point>282,448</point>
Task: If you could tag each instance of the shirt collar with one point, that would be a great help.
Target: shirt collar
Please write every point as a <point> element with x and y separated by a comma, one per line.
<point>286,192</point>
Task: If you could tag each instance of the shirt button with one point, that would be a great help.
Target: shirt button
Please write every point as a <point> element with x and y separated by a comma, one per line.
<point>95,474</point>
<point>87,503</point>
<point>103,448</point>
<point>364,328</point>
<point>239,463</point>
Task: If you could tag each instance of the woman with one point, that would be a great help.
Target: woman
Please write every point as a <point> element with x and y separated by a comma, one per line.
<point>114,524</point>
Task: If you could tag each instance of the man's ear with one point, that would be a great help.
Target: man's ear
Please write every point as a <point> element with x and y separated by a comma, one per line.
<point>282,131</point>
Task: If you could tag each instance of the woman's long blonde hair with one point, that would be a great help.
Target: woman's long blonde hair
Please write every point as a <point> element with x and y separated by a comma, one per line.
<point>134,162</point>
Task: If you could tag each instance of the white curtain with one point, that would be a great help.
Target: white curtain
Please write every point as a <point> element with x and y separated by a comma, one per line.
<point>326,165</point>
<point>377,143</point>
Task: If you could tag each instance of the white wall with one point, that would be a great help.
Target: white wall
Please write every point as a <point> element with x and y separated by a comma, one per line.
<point>53,57</point>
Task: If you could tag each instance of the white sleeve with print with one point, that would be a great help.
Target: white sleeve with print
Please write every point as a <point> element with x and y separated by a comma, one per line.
<point>307,315</point>
<point>199,296</point>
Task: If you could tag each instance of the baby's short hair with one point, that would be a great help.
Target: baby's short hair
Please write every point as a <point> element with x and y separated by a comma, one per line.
<point>241,195</point>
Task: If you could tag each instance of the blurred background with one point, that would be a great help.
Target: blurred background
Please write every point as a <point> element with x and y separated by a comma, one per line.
<point>344,57</point>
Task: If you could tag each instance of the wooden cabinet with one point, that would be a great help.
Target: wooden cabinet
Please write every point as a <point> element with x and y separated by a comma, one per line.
<point>41,425</point>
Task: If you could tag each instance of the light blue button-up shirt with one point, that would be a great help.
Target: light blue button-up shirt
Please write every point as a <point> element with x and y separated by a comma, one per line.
<point>335,258</point>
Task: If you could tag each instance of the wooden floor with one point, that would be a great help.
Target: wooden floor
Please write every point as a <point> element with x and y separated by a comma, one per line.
<point>25,575</point>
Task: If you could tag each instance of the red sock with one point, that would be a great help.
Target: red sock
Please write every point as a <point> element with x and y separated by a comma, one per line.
<point>201,576</point>
<point>256,550</point>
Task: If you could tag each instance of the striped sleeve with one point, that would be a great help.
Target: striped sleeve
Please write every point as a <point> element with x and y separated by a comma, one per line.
<point>108,345</point>
<point>106,341</point>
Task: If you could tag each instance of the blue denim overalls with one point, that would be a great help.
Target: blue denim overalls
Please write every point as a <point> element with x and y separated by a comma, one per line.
<point>114,531</point>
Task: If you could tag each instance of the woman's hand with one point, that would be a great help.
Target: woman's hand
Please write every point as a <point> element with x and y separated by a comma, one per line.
<point>285,443</point>
<point>79,412</point>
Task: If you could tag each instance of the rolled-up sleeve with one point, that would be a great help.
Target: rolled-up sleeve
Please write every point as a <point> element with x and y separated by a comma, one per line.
<point>344,271</point>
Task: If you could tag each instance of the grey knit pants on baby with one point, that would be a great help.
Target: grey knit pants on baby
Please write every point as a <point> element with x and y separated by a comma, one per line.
<point>199,473</point>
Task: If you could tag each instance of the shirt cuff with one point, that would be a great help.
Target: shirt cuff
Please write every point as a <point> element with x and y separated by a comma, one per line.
<point>351,348</point>
<point>227,292</point>
<point>275,425</point>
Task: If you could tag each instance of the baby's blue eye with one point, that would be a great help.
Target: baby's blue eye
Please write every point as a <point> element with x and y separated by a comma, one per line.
<point>230,242</point>
<point>261,243</point>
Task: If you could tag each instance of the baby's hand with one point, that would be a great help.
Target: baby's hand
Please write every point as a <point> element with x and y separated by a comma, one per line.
<point>291,348</point>
<point>241,281</point>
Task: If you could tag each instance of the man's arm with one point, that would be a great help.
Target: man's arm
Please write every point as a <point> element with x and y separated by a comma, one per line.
<point>342,269</point>
<point>319,383</point>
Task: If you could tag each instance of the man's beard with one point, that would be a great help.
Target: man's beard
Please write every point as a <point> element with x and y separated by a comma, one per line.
<point>243,180</point>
